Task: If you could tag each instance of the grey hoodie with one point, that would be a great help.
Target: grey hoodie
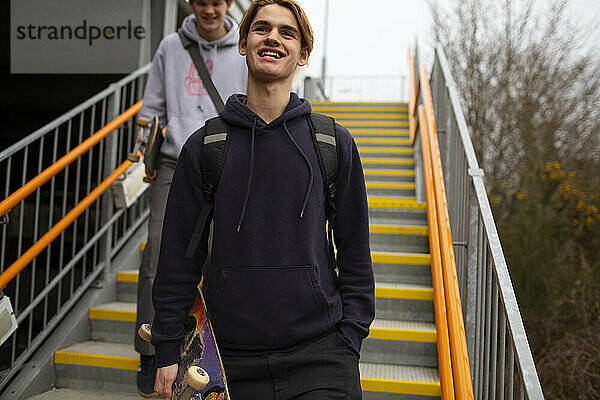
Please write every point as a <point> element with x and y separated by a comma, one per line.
<point>174,91</point>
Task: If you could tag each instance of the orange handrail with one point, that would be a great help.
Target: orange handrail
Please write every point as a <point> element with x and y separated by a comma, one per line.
<point>441,323</point>
<point>67,159</point>
<point>458,345</point>
<point>60,226</point>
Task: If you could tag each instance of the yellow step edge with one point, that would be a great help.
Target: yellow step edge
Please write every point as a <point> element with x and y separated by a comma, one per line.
<point>112,315</point>
<point>372,133</point>
<point>381,141</point>
<point>377,116</point>
<point>399,229</point>
<point>389,185</point>
<point>142,246</point>
<point>393,103</point>
<point>382,160</point>
<point>395,202</point>
<point>96,360</point>
<point>400,258</point>
<point>127,276</point>
<point>371,123</point>
<point>391,172</point>
<point>409,335</point>
<point>406,293</point>
<point>384,131</point>
<point>388,150</point>
<point>326,108</point>
<point>422,388</point>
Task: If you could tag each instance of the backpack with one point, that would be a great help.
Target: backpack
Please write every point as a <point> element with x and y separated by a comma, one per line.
<point>214,153</point>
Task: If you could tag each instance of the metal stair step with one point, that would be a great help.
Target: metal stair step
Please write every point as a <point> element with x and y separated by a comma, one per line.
<point>404,301</point>
<point>361,141</point>
<point>127,283</point>
<point>389,237</point>
<point>395,202</point>
<point>381,381</point>
<point>372,123</point>
<point>406,189</point>
<point>401,342</point>
<point>99,366</point>
<point>113,322</point>
<point>396,116</point>
<point>383,173</point>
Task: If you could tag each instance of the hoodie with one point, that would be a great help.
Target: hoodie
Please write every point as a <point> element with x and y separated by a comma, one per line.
<point>174,91</point>
<point>269,286</point>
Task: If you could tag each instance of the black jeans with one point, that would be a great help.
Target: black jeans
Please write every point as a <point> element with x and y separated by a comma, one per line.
<point>322,369</point>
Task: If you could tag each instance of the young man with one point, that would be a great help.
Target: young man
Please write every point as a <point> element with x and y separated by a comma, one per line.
<point>285,325</point>
<point>175,93</point>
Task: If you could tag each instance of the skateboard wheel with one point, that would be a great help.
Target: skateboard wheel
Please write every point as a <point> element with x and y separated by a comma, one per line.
<point>133,157</point>
<point>145,332</point>
<point>196,377</point>
<point>143,122</point>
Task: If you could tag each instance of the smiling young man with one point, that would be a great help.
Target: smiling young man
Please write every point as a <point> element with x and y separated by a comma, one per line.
<point>286,325</point>
<point>175,93</point>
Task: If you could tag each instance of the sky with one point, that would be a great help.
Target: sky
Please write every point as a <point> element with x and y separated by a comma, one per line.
<point>371,37</point>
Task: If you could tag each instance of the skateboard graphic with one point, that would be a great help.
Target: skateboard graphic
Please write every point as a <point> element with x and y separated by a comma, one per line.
<point>201,375</point>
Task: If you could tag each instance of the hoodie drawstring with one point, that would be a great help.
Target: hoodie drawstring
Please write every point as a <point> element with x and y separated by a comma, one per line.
<point>250,173</point>
<point>310,170</point>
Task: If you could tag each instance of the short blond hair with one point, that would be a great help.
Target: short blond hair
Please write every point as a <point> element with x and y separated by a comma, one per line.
<point>306,32</point>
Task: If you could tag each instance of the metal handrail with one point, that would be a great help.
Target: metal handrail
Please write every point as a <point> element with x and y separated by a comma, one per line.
<point>63,224</point>
<point>78,249</point>
<point>436,197</point>
<point>67,159</point>
<point>498,345</point>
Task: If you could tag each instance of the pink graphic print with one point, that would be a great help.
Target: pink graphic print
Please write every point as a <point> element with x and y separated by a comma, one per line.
<point>193,83</point>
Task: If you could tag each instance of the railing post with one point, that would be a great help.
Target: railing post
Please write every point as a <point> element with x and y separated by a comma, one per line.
<point>109,165</point>
<point>470,284</point>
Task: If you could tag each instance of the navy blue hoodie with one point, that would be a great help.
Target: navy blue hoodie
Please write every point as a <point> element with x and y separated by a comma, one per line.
<point>269,286</point>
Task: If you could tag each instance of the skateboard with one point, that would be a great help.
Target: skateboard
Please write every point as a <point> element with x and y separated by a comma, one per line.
<point>201,375</point>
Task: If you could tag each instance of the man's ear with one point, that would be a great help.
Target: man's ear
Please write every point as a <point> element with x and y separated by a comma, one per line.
<point>229,2</point>
<point>303,60</point>
<point>242,47</point>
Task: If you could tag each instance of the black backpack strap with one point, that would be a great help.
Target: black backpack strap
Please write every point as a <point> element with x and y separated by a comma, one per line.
<point>192,47</point>
<point>322,129</point>
<point>214,152</point>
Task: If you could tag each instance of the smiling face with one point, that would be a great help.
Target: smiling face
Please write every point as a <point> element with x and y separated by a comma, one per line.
<point>273,47</point>
<point>210,15</point>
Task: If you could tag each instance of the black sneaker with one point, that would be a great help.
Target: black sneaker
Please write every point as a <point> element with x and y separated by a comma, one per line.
<point>146,376</point>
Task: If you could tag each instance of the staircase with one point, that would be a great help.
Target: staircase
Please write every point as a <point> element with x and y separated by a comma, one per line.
<point>399,358</point>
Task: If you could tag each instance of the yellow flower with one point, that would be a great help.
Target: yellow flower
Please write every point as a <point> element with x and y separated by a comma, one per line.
<point>556,165</point>
<point>553,176</point>
<point>575,222</point>
<point>592,210</point>
<point>579,205</point>
<point>562,174</point>
<point>589,220</point>
<point>520,196</point>
<point>571,174</point>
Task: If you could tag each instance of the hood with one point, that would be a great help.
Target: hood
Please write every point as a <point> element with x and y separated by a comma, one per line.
<point>188,27</point>
<point>237,113</point>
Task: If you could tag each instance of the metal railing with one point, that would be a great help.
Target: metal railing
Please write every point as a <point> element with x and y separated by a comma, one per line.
<point>364,88</point>
<point>501,362</point>
<point>47,194</point>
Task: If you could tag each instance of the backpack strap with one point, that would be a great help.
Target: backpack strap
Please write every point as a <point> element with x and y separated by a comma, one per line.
<point>214,152</point>
<point>322,129</point>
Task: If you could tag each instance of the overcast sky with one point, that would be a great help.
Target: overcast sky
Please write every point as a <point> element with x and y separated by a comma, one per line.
<point>371,36</point>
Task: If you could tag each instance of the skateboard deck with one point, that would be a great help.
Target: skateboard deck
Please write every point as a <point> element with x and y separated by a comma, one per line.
<point>201,375</point>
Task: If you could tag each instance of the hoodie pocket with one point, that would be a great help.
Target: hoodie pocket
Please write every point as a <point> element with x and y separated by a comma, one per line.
<point>268,307</point>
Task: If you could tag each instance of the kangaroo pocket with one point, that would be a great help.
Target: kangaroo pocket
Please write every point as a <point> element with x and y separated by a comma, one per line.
<point>266,308</point>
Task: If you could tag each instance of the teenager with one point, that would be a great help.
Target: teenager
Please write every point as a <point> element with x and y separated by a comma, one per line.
<point>285,325</point>
<point>175,93</point>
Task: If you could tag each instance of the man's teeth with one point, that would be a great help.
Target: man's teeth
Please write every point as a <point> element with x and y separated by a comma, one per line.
<point>270,54</point>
